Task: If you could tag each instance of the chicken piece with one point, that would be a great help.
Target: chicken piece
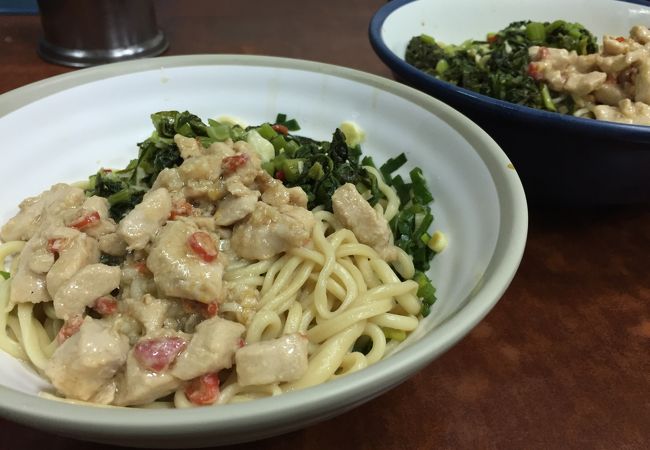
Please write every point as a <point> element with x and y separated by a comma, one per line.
<point>140,383</point>
<point>143,221</point>
<point>233,208</point>
<point>84,364</point>
<point>112,244</point>
<point>211,349</point>
<point>609,94</point>
<point>201,177</point>
<point>275,193</point>
<point>106,224</point>
<point>642,82</point>
<point>26,284</point>
<point>85,286</point>
<point>582,84</point>
<point>274,361</point>
<point>370,228</point>
<point>42,211</point>
<point>189,147</point>
<point>269,231</point>
<point>151,312</point>
<point>77,250</point>
<point>245,164</point>
<point>169,179</point>
<point>181,263</point>
<point>640,34</point>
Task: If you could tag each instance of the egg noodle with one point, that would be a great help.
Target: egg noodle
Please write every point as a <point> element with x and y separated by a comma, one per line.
<point>333,290</point>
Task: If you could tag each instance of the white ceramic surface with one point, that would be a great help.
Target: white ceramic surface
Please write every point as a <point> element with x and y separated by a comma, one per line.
<point>66,127</point>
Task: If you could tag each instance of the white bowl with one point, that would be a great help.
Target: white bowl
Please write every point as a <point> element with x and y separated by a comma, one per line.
<point>64,128</point>
<point>561,159</point>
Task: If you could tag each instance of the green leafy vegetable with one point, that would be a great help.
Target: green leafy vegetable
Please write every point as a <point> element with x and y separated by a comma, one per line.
<point>4,274</point>
<point>498,66</point>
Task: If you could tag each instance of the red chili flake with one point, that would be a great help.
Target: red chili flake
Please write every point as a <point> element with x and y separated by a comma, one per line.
<point>203,390</point>
<point>106,305</point>
<point>181,209</point>
<point>533,71</point>
<point>69,328</point>
<point>141,267</point>
<point>56,245</point>
<point>86,221</point>
<point>279,175</point>
<point>232,163</point>
<point>280,129</point>
<point>492,38</point>
<point>203,245</point>
<point>211,309</point>
<point>620,39</point>
<point>159,353</point>
<point>241,342</point>
<point>207,310</point>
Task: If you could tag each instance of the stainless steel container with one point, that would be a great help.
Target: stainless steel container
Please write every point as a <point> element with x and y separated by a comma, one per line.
<point>81,33</point>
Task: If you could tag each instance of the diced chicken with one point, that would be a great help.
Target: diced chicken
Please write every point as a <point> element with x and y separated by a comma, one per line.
<point>211,349</point>
<point>105,224</point>
<point>627,112</point>
<point>275,193</point>
<point>642,83</point>
<point>355,213</point>
<point>138,385</point>
<point>86,362</point>
<point>233,208</point>
<point>77,251</point>
<point>169,179</point>
<point>143,221</point>
<point>274,361</point>
<point>26,284</point>
<point>151,312</point>
<point>42,211</point>
<point>640,34</point>
<point>246,164</point>
<point>189,147</point>
<point>583,83</point>
<point>112,244</point>
<point>269,231</point>
<point>613,46</point>
<point>201,177</point>
<point>609,94</point>
<point>178,267</point>
<point>87,285</point>
<point>42,258</point>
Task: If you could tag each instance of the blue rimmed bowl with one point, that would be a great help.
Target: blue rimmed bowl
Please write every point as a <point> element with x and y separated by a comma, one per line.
<point>561,159</point>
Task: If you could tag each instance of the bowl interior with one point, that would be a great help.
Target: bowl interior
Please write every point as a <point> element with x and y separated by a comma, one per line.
<point>68,127</point>
<point>454,22</point>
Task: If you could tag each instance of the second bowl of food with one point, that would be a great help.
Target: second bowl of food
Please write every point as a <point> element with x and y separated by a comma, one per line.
<point>561,86</point>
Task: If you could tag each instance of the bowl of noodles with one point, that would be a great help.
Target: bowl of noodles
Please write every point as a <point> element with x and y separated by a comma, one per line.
<point>541,79</point>
<point>217,249</point>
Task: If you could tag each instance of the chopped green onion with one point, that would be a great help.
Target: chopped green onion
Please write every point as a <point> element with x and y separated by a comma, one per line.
<point>266,131</point>
<point>4,274</point>
<point>391,166</point>
<point>420,190</point>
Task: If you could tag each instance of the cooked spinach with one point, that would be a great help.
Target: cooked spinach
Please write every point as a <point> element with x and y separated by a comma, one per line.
<point>498,66</point>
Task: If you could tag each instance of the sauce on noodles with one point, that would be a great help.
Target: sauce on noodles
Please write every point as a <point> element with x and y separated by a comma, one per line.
<point>219,285</point>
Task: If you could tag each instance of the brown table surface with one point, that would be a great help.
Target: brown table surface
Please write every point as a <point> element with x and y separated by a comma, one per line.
<point>562,361</point>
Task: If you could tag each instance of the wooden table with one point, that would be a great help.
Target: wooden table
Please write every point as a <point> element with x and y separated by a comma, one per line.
<point>563,360</point>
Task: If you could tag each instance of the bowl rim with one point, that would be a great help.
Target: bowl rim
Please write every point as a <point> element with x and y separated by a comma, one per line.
<point>521,113</point>
<point>350,390</point>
